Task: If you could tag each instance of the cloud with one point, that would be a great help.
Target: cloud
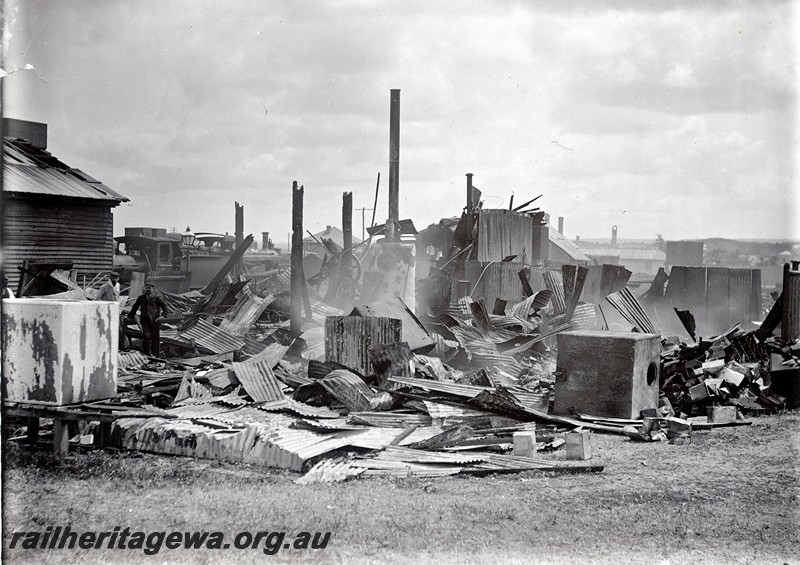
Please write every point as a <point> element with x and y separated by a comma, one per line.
<point>669,109</point>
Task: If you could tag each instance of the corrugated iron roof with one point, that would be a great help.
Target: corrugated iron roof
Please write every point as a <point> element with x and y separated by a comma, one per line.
<point>258,381</point>
<point>211,337</point>
<point>573,251</point>
<point>30,170</point>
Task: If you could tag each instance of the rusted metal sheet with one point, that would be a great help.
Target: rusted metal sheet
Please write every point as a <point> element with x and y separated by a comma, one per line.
<point>59,352</point>
<point>502,233</point>
<point>211,337</point>
<point>244,314</point>
<point>258,380</point>
<point>349,338</point>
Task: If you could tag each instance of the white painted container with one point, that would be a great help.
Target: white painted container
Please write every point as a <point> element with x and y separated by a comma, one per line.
<point>59,352</point>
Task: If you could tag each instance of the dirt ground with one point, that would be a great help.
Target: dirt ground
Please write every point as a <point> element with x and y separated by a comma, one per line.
<point>730,496</point>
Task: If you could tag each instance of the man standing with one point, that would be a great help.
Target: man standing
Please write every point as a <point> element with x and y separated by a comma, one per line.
<point>152,308</point>
<point>110,289</point>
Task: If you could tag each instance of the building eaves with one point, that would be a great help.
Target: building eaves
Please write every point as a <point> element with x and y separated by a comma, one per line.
<point>30,170</point>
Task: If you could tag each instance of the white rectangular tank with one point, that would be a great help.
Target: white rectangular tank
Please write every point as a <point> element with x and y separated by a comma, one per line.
<point>58,352</point>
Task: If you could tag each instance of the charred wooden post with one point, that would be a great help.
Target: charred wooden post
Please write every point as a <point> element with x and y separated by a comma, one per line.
<point>469,194</point>
<point>347,234</point>
<point>790,326</point>
<point>298,279</point>
<point>394,156</point>
<point>239,235</point>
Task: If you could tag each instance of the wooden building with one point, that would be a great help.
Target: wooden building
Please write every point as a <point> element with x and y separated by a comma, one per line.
<point>52,213</point>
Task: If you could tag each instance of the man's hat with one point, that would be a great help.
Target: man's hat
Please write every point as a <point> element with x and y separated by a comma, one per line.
<point>113,275</point>
<point>149,284</point>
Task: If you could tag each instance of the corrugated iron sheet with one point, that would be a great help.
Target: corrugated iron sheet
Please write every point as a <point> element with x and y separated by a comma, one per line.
<point>330,472</point>
<point>626,303</point>
<point>291,405</point>
<point>404,454</point>
<point>491,281</point>
<point>315,344</point>
<point>414,333</point>
<point>390,419</point>
<point>446,412</point>
<point>502,233</point>
<point>490,359</point>
<point>349,338</point>
<point>271,354</point>
<point>211,337</point>
<point>378,438</point>
<point>258,380</point>
<point>534,400</point>
<point>554,281</point>
<point>349,389</point>
<point>585,317</point>
<point>131,360</point>
<point>245,312</point>
<point>456,389</point>
<point>328,425</point>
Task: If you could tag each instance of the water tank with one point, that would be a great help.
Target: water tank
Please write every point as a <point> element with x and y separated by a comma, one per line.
<point>58,352</point>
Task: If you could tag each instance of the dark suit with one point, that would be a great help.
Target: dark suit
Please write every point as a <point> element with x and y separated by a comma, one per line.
<point>152,308</point>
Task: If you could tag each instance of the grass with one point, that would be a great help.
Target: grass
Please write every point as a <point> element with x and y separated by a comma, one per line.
<point>730,496</point>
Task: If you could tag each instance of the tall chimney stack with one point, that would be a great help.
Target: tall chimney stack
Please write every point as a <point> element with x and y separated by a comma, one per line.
<point>394,155</point>
<point>614,236</point>
<point>265,240</point>
<point>561,225</point>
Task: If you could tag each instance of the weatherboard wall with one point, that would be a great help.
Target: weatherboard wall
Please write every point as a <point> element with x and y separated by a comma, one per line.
<point>46,229</point>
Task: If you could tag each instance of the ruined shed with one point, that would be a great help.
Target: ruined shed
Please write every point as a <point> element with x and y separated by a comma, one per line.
<point>52,213</point>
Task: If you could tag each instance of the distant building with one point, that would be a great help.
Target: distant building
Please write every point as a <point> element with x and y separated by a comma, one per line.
<point>684,253</point>
<point>52,213</point>
<point>562,251</point>
<point>313,244</point>
<point>635,260</point>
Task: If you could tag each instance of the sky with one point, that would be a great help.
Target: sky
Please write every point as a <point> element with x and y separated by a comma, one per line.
<point>671,118</point>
